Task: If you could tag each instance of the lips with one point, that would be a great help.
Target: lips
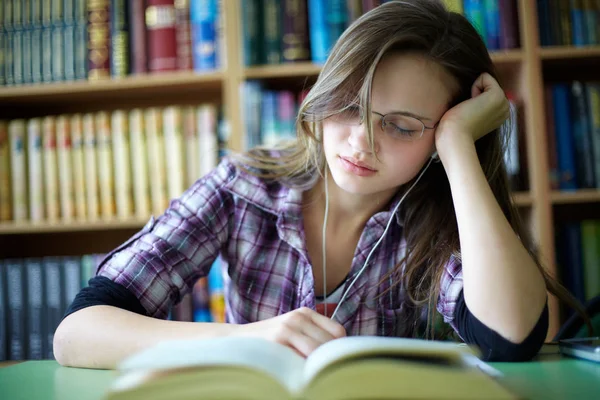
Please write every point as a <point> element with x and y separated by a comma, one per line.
<point>358,163</point>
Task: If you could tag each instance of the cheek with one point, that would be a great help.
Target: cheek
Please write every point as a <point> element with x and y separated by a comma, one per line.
<point>406,158</point>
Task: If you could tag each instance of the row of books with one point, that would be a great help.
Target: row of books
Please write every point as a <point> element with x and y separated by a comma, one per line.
<point>34,295</point>
<point>124,163</point>
<point>578,257</point>
<point>564,23</point>
<point>573,122</point>
<point>65,40</point>
<point>496,21</point>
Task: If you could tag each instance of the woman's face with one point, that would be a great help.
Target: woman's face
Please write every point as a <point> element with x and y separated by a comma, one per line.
<point>406,83</point>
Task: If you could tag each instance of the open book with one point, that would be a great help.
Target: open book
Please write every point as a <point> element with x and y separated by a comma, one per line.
<point>346,368</point>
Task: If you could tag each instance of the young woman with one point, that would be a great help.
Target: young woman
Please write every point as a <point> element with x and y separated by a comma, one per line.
<point>391,204</point>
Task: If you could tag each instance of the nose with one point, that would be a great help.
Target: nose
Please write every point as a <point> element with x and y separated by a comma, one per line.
<point>359,141</point>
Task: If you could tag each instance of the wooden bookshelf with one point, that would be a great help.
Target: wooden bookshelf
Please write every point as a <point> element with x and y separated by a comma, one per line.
<point>524,72</point>
<point>25,228</point>
<point>579,196</point>
<point>569,52</point>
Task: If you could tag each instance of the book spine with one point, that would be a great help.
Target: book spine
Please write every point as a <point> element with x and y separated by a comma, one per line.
<point>91,170</point>
<point>273,31</point>
<point>551,137</point>
<point>35,170</point>
<point>26,13</point>
<point>581,137</point>
<point>5,189</point>
<point>8,58</point>
<point>54,305</point>
<point>69,9</point>
<point>252,32</point>
<point>204,16</point>
<point>18,167</point>
<point>156,160</point>
<point>593,100</point>
<point>119,37</point>
<point>47,58</point>
<point>353,11</point>
<point>543,9</point>
<point>65,170</point>
<point>172,127</point>
<point>139,164</point>
<point>474,12</point>
<point>208,141</point>
<point>590,258</point>
<point>3,55</point>
<point>69,52</point>
<point>564,137</point>
<point>3,312</point>
<point>35,309</point>
<point>72,279</point>
<point>36,13</point>
<point>138,57</point>
<point>50,168</point>
<point>319,40</point>
<point>184,35</point>
<point>78,165</point>
<point>123,184</point>
<point>98,39</point>
<point>17,16</point>
<point>17,57</point>
<point>16,291</point>
<point>336,21</point>
<point>161,35</point>
<point>295,31</point>
<point>452,5</point>
<point>58,44</point>
<point>579,37</point>
<point>492,23</point>
<point>592,20</point>
<point>81,51</point>
<point>216,290</point>
<point>26,51</point>
<point>566,25</point>
<point>57,12</point>
<point>192,158</point>
<point>36,56</point>
<point>104,160</point>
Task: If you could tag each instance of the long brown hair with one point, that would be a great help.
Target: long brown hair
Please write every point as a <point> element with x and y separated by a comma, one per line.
<point>427,28</point>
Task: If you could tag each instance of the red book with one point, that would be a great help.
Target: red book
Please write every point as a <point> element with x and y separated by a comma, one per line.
<point>138,58</point>
<point>162,35</point>
<point>98,39</point>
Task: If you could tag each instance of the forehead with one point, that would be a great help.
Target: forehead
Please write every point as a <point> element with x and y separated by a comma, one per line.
<point>410,82</point>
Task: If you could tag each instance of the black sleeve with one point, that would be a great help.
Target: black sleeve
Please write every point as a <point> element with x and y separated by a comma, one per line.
<point>493,346</point>
<point>103,291</point>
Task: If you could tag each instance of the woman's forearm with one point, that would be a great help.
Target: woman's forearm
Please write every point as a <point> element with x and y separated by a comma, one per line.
<point>503,287</point>
<point>101,336</point>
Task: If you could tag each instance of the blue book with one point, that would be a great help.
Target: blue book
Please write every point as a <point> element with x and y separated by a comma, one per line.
<point>492,24</point>
<point>58,53</point>
<point>69,52</point>
<point>80,50</point>
<point>570,261</point>
<point>2,57</point>
<point>204,15</point>
<point>591,18</point>
<point>564,137</point>
<point>582,137</point>
<point>55,308</point>
<point>17,57</point>
<point>119,38</point>
<point>26,54</point>
<point>16,309</point>
<point>47,54</point>
<point>474,12</point>
<point>253,34</point>
<point>252,122</point>
<point>36,310</point>
<point>317,28</point>
<point>545,30</point>
<point>336,16</point>
<point>36,55</point>
<point>578,24</point>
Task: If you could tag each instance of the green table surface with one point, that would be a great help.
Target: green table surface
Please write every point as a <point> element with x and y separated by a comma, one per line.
<point>549,376</point>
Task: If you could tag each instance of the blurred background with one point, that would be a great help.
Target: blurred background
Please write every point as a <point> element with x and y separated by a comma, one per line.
<point>111,108</point>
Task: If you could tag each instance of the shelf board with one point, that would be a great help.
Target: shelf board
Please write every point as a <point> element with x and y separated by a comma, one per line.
<point>569,52</point>
<point>522,199</point>
<point>299,69</point>
<point>25,227</point>
<point>130,86</point>
<point>575,197</point>
<point>303,69</point>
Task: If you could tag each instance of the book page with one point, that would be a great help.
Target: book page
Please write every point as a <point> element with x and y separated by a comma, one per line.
<point>356,346</point>
<point>277,361</point>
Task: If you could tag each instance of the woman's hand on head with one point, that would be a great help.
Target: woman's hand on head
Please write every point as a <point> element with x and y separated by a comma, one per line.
<point>485,111</point>
<point>303,330</point>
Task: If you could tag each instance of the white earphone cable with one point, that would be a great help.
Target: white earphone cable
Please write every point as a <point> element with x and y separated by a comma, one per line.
<point>380,239</point>
<point>324,241</point>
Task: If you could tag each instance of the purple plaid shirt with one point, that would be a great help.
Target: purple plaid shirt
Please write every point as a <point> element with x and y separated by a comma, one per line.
<point>257,229</point>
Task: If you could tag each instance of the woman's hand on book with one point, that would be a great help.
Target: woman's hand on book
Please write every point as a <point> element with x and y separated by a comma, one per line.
<point>303,330</point>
